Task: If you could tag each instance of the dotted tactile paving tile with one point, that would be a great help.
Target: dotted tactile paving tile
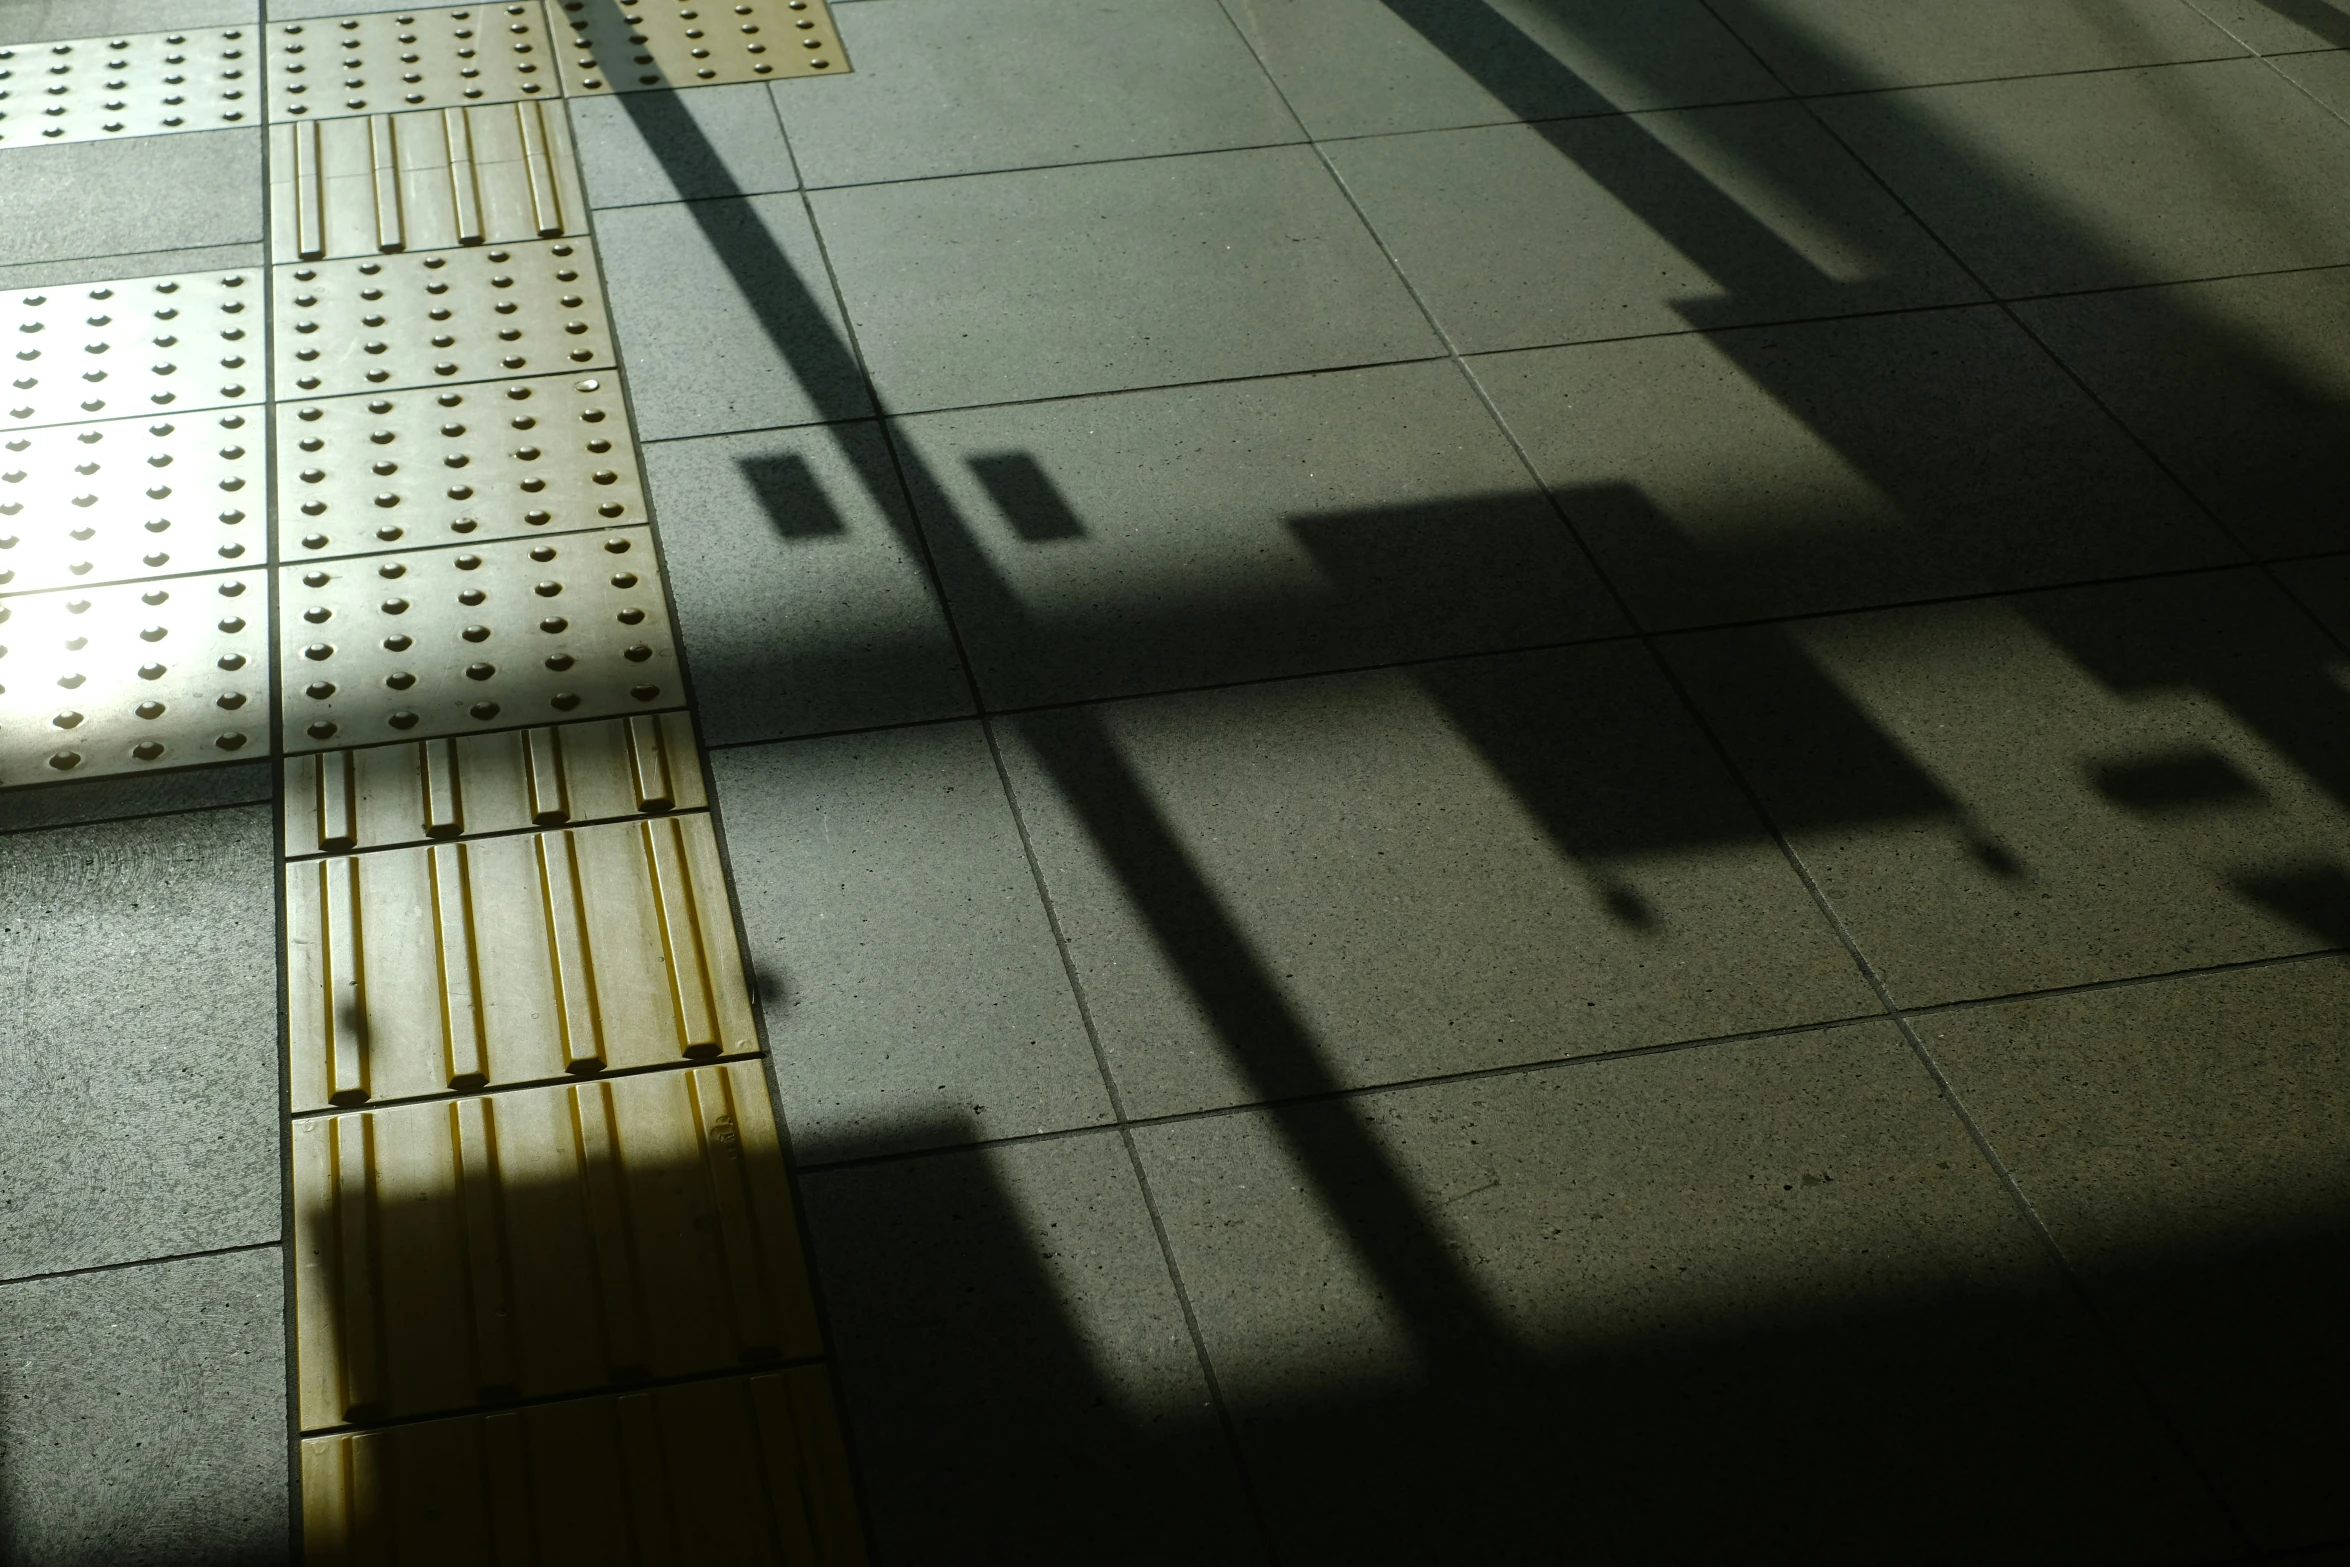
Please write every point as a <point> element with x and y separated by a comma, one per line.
<point>130,677</point>
<point>386,796</point>
<point>82,504</point>
<point>147,84</point>
<point>453,640</point>
<point>141,346</point>
<point>490,962</point>
<point>614,46</point>
<point>434,59</point>
<point>451,315</point>
<point>452,464</point>
<point>498,174</point>
<point>543,1242</point>
<point>735,1469</point>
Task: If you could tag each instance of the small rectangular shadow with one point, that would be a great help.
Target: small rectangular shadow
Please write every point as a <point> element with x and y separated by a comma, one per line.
<point>795,502</point>
<point>1027,497</point>
<point>2181,780</point>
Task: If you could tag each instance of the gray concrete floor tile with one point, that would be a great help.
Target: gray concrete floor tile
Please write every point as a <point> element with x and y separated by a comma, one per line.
<point>2324,587</point>
<point>2280,26</point>
<point>1109,277</point>
<point>1519,236</point>
<point>2056,789</point>
<point>2325,77</point>
<point>143,1415</point>
<point>1019,1381</point>
<point>903,959</point>
<point>1366,67</point>
<point>1243,529</point>
<point>2188,1145</point>
<point>2162,175</point>
<point>1360,879</point>
<point>942,87</point>
<point>23,21</point>
<point>164,193</point>
<point>1839,465</point>
<point>802,599</point>
<point>152,263</point>
<point>154,794</point>
<point>740,150</point>
<point>1821,46</point>
<point>725,317</point>
<point>139,1071</point>
<point>2241,387</point>
<point>1752,1301</point>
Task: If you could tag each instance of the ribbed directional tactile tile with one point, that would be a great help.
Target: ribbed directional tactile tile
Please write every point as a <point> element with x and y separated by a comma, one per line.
<point>455,463</point>
<point>614,46</point>
<point>432,59</point>
<point>146,345</point>
<point>451,315</point>
<point>453,640</point>
<point>128,678</point>
<point>126,499</point>
<point>147,84</point>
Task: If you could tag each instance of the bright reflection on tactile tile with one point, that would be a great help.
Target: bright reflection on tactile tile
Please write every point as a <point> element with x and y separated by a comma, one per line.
<point>128,498</point>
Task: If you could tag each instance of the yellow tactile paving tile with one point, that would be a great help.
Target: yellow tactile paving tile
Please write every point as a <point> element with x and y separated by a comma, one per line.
<point>451,464</point>
<point>444,57</point>
<point>558,775</point>
<point>126,499</point>
<point>151,345</point>
<point>540,1243</point>
<point>511,960</point>
<point>139,84</point>
<point>639,45</point>
<point>133,677</point>
<point>739,1469</point>
<point>427,180</point>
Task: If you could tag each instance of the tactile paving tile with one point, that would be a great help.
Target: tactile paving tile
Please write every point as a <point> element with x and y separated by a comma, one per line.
<point>454,464</point>
<point>436,59</point>
<point>380,183</point>
<point>540,1243</point>
<point>148,84</point>
<point>130,678</point>
<point>383,796</point>
<point>451,641</point>
<point>443,316</point>
<point>142,346</point>
<point>626,46</point>
<point>128,499</point>
<point>736,1469</point>
<point>490,962</point>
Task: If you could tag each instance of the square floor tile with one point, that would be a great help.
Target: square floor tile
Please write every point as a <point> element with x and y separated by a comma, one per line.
<point>800,591</point>
<point>1107,277</point>
<point>2323,586</point>
<point>113,198</point>
<point>2070,182</point>
<point>1110,545</point>
<point>1359,879</point>
<point>903,960</point>
<point>642,147</point>
<point>139,1069</point>
<point>1822,46</point>
<point>2053,789</point>
<point>2241,387</point>
<point>1839,464</point>
<point>2188,1145</point>
<point>2325,77</point>
<point>1743,1302</point>
<point>944,88</point>
<point>1367,67</point>
<point>726,318</point>
<point>2278,26</point>
<point>1017,1375</point>
<point>1518,236</point>
<point>143,1413</point>
<point>153,794</point>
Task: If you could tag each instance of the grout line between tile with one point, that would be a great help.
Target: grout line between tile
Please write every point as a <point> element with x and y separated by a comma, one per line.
<point>136,1262</point>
